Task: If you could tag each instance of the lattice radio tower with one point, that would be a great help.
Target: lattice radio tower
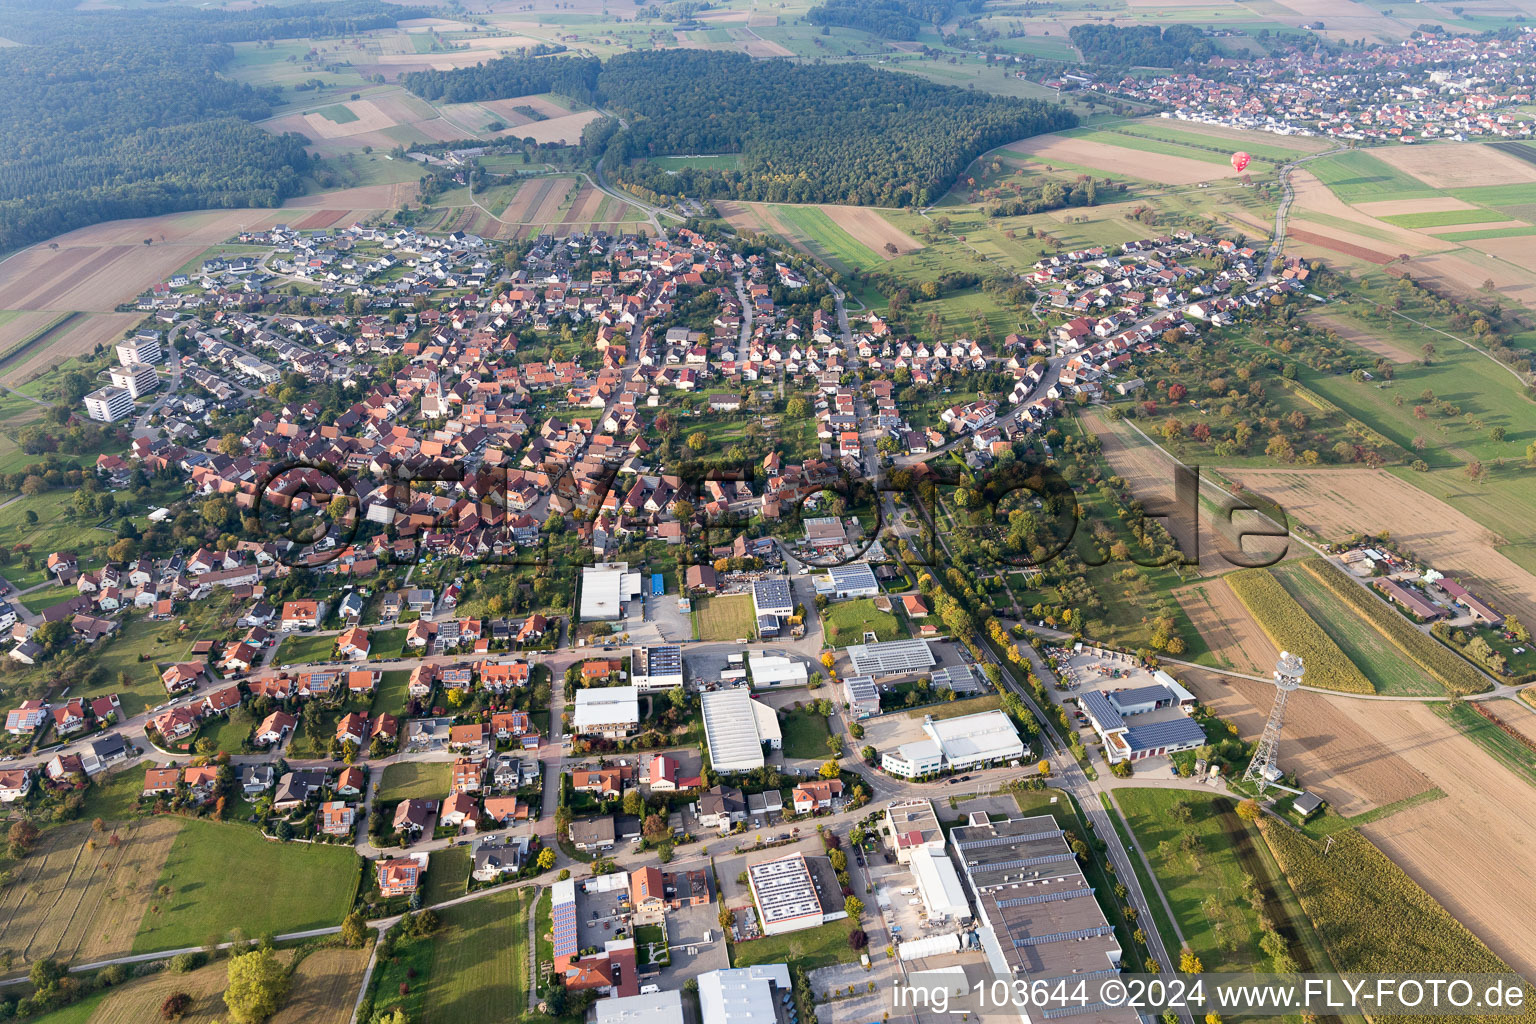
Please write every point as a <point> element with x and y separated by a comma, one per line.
<point>1288,672</point>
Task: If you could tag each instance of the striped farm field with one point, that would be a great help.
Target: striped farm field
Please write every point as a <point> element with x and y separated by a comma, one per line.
<point>1288,625</point>
<point>813,231</point>
<point>1444,218</point>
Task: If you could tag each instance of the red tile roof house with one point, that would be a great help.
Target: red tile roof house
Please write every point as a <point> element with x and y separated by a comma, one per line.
<point>337,818</point>
<point>106,709</point>
<point>353,728</point>
<point>816,795</point>
<point>459,810</point>
<point>507,725</point>
<point>15,784</point>
<point>161,781</point>
<point>402,875</point>
<point>184,675</point>
<point>27,718</point>
<point>386,727</point>
<point>200,780</point>
<point>302,615</point>
<point>504,810</point>
<point>365,681</point>
<point>463,737</point>
<point>275,728</point>
<point>175,724</point>
<point>351,781</point>
<point>413,816</point>
<point>69,717</point>
<point>468,775</point>
<point>221,700</point>
<point>354,644</point>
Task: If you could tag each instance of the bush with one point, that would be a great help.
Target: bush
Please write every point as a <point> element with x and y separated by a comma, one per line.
<point>185,963</point>
<point>175,1006</point>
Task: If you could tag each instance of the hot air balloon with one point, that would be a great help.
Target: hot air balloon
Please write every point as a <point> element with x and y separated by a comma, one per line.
<point>1239,161</point>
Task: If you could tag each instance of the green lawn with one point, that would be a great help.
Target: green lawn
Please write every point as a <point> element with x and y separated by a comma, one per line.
<point>479,962</point>
<point>846,622</point>
<point>157,642</point>
<point>305,649</point>
<point>416,779</point>
<point>447,875</point>
<point>724,618</point>
<point>1200,870</point>
<point>225,876</point>
<point>114,796</point>
<point>805,734</point>
<point>957,708</point>
<point>228,731</point>
<point>392,695</point>
<point>811,948</point>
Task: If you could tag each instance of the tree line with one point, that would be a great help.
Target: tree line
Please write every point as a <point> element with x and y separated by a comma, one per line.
<point>112,114</point>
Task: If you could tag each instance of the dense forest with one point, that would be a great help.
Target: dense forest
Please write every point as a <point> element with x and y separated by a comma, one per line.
<point>1142,45</point>
<point>890,19</point>
<point>842,133</point>
<point>575,77</point>
<point>110,114</point>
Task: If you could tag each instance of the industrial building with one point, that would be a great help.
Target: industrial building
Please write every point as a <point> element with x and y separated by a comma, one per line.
<point>605,589</point>
<point>775,670</point>
<point>892,658</point>
<point>649,1008</point>
<point>772,602</point>
<point>1124,742</point>
<point>562,902</point>
<point>843,582</point>
<point>657,668</point>
<point>911,824</point>
<point>786,894</point>
<point>736,727</point>
<point>743,995</point>
<point>938,884</point>
<point>606,711</point>
<point>862,695</point>
<point>956,744</point>
<point>1039,918</point>
<point>959,678</point>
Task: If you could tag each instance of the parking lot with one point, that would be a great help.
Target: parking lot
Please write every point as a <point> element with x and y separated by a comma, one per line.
<point>1109,671</point>
<point>598,915</point>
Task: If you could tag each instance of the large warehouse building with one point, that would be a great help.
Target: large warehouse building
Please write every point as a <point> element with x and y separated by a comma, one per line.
<point>1039,918</point>
<point>787,896</point>
<point>1172,732</point>
<point>605,589</point>
<point>956,744</point>
<point>736,727</point>
<point>892,658</point>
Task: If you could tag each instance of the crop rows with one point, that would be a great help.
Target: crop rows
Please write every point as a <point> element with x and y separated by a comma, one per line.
<point>1371,916</point>
<point>1292,629</point>
<point>1445,666</point>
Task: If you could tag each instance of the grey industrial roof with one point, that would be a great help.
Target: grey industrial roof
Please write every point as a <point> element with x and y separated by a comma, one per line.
<point>1103,711</point>
<point>1149,694</point>
<point>1162,734</point>
<point>852,576</point>
<point>894,657</point>
<point>772,596</point>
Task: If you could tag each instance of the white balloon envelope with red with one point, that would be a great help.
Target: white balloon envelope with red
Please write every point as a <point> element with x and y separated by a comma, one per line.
<point>1239,161</point>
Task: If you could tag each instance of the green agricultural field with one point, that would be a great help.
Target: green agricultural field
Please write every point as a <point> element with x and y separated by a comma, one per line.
<point>1444,218</point>
<point>224,876</point>
<point>1473,236</point>
<point>339,113</point>
<point>421,780</point>
<point>1356,176</point>
<point>846,622</point>
<point>1166,147</point>
<point>449,875</point>
<point>1263,145</point>
<point>1200,862</point>
<point>724,618</point>
<point>805,734</point>
<point>810,948</point>
<point>825,239</point>
<point>1375,655</point>
<point>480,960</point>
